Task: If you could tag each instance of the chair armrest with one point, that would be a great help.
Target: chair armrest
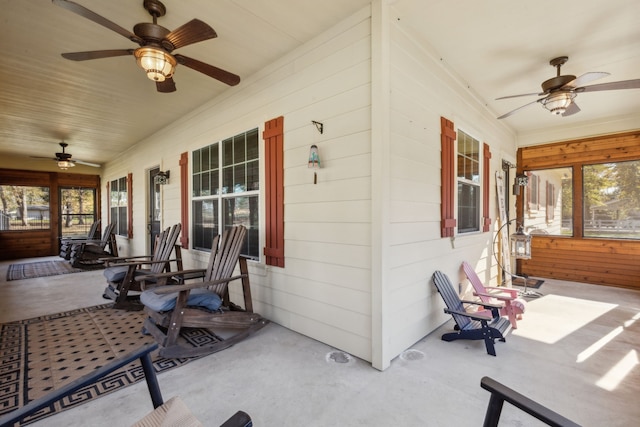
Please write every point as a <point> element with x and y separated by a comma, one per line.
<point>188,286</point>
<point>501,297</point>
<point>184,274</point>
<point>503,289</point>
<point>119,260</point>
<point>473,316</point>
<point>484,304</point>
<point>80,241</point>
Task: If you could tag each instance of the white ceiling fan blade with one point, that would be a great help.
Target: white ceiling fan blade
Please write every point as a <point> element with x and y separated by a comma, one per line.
<point>95,165</point>
<point>519,108</point>
<point>516,96</point>
<point>586,78</point>
<point>625,84</point>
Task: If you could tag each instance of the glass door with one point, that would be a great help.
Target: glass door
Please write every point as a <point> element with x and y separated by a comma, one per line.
<point>78,211</point>
<point>154,208</point>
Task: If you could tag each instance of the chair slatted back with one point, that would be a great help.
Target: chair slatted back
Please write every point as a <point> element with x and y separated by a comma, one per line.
<point>475,281</point>
<point>164,246</point>
<point>225,252</point>
<point>94,231</point>
<point>451,298</point>
<point>108,230</point>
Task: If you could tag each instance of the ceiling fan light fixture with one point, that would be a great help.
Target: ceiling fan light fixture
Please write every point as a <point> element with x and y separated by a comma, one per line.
<point>557,103</point>
<point>65,164</point>
<point>158,64</point>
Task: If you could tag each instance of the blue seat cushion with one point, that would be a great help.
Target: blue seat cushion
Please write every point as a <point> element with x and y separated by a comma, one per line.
<point>165,302</point>
<point>116,273</point>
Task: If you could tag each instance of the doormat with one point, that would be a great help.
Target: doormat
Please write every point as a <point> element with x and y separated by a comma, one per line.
<point>42,354</point>
<point>531,283</point>
<point>32,270</point>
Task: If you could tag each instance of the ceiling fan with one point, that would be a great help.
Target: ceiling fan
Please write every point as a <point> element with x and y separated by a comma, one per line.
<point>156,45</point>
<point>558,93</point>
<point>64,159</point>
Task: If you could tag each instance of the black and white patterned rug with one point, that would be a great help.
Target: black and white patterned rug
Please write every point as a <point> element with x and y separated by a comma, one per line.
<point>32,270</point>
<point>41,354</point>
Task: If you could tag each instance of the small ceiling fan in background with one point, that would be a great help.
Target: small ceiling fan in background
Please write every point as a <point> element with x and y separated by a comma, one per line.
<point>559,93</point>
<point>64,159</point>
<point>155,54</point>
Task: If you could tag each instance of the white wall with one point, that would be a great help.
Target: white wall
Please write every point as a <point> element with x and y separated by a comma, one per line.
<point>421,91</point>
<point>361,244</point>
<point>324,289</point>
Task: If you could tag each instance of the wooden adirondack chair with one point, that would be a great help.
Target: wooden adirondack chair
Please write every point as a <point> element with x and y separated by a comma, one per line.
<point>203,303</point>
<point>512,306</point>
<point>121,273</point>
<point>67,242</point>
<point>471,326</point>
<point>90,252</point>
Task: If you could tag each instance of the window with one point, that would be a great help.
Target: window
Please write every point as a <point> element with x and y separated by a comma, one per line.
<point>468,183</point>
<point>543,219</point>
<point>611,200</point>
<point>24,208</point>
<point>463,179</point>
<point>118,203</point>
<point>226,183</point>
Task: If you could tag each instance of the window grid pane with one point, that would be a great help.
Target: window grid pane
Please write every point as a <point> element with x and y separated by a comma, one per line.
<point>468,174</point>
<point>225,184</point>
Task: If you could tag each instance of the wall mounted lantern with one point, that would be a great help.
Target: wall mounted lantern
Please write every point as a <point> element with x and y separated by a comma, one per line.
<point>314,161</point>
<point>161,178</point>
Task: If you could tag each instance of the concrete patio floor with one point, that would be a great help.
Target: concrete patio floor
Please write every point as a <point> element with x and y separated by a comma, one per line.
<point>575,351</point>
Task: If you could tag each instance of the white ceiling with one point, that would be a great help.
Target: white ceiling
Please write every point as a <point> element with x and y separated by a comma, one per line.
<point>101,107</point>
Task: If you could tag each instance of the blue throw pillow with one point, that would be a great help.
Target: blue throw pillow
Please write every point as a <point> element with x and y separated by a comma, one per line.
<point>165,302</point>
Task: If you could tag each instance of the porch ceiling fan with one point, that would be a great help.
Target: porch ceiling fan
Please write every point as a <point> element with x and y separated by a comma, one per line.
<point>64,159</point>
<point>155,54</point>
<point>559,93</point>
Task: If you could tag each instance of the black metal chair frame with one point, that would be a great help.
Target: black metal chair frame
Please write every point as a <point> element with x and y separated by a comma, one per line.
<point>239,419</point>
<point>501,393</point>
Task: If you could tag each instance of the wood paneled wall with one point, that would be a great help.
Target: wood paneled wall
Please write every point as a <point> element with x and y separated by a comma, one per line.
<point>26,244</point>
<point>613,262</point>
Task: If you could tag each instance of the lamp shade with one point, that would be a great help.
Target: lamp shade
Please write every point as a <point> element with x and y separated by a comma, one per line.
<point>158,64</point>
<point>65,164</point>
<point>558,102</point>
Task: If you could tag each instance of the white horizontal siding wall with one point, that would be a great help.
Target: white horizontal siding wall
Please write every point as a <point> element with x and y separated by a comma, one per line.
<point>324,291</point>
<point>421,91</point>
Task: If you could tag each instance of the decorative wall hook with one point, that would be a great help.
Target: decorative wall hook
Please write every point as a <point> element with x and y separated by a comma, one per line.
<point>161,178</point>
<point>319,126</point>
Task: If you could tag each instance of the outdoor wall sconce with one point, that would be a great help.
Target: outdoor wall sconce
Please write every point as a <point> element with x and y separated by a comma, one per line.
<point>314,161</point>
<point>161,178</point>
<point>519,181</point>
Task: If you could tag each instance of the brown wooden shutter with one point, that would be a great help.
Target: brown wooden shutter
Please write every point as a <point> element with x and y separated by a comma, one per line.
<point>448,184</point>
<point>130,206</point>
<point>273,136</point>
<point>184,199</point>
<point>109,203</point>
<point>486,189</point>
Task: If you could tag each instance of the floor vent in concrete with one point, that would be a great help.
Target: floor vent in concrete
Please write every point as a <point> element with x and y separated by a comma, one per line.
<point>411,355</point>
<point>338,357</point>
